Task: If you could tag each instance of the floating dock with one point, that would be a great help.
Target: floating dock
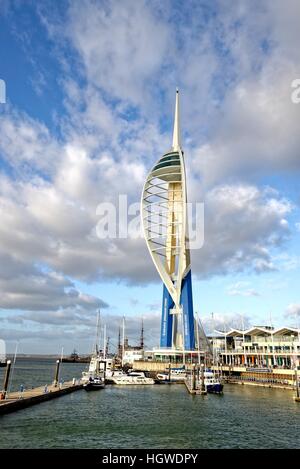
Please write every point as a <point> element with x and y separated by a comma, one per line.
<point>191,390</point>
<point>20,400</point>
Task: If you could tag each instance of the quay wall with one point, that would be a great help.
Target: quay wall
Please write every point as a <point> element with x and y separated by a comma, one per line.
<point>153,366</point>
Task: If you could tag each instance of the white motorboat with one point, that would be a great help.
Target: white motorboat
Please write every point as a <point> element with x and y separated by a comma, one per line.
<point>176,375</point>
<point>132,378</point>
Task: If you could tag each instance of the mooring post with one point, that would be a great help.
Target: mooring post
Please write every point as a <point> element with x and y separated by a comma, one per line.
<point>193,377</point>
<point>55,382</point>
<point>169,373</point>
<point>202,378</point>
<point>297,384</point>
<point>6,378</point>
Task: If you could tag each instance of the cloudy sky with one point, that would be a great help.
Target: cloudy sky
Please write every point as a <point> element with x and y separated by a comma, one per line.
<point>89,106</point>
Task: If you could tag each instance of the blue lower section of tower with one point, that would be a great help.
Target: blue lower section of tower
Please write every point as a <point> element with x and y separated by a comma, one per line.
<point>166,320</point>
<point>186,302</point>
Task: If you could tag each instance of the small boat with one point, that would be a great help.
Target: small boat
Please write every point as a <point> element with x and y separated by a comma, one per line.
<point>132,378</point>
<point>212,383</point>
<point>94,384</point>
<point>177,375</point>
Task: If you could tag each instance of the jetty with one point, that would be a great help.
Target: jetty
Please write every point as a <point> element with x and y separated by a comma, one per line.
<point>194,382</point>
<point>12,401</point>
<point>20,400</point>
<point>192,390</point>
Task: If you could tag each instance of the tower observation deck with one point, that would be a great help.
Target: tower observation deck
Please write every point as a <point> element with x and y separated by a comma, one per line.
<point>165,226</point>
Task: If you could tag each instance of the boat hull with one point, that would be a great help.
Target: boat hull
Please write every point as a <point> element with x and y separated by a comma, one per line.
<point>93,386</point>
<point>216,388</point>
<point>128,382</point>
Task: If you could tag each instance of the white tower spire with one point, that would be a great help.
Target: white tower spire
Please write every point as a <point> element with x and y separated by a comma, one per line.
<point>176,145</point>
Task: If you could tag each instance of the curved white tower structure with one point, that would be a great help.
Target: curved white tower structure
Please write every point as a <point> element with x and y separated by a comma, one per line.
<point>164,221</point>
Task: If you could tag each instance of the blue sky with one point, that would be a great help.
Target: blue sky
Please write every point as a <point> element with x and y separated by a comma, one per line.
<point>89,109</point>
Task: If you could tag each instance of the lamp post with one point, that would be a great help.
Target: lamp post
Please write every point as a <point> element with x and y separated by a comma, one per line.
<point>55,382</point>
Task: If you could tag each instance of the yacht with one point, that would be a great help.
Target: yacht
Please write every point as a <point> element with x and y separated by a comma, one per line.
<point>134,377</point>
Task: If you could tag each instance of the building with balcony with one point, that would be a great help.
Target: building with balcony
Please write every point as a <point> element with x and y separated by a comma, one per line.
<point>258,347</point>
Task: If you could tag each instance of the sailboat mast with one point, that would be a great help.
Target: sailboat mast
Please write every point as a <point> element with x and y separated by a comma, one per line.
<point>213,341</point>
<point>198,342</point>
<point>123,340</point>
<point>104,341</point>
<point>13,367</point>
<point>142,336</point>
<point>97,333</point>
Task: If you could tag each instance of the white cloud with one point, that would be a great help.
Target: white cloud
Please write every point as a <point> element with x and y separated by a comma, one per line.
<point>256,132</point>
<point>242,226</point>
<point>120,44</point>
<point>71,327</point>
<point>41,291</point>
<point>221,322</point>
<point>293,311</point>
<point>27,145</point>
<point>241,289</point>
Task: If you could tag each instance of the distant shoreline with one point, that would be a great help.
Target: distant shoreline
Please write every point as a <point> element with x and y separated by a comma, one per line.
<point>32,355</point>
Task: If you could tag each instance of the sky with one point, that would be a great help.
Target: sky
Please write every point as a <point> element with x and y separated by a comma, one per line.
<point>90,91</point>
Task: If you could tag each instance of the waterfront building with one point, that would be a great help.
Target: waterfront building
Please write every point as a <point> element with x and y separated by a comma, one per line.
<point>164,220</point>
<point>259,347</point>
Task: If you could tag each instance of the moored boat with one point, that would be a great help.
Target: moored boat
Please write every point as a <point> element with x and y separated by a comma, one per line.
<point>177,375</point>
<point>94,384</point>
<point>132,378</point>
<point>212,383</point>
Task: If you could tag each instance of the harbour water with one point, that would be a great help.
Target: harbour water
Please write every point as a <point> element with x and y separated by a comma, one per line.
<point>159,416</point>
